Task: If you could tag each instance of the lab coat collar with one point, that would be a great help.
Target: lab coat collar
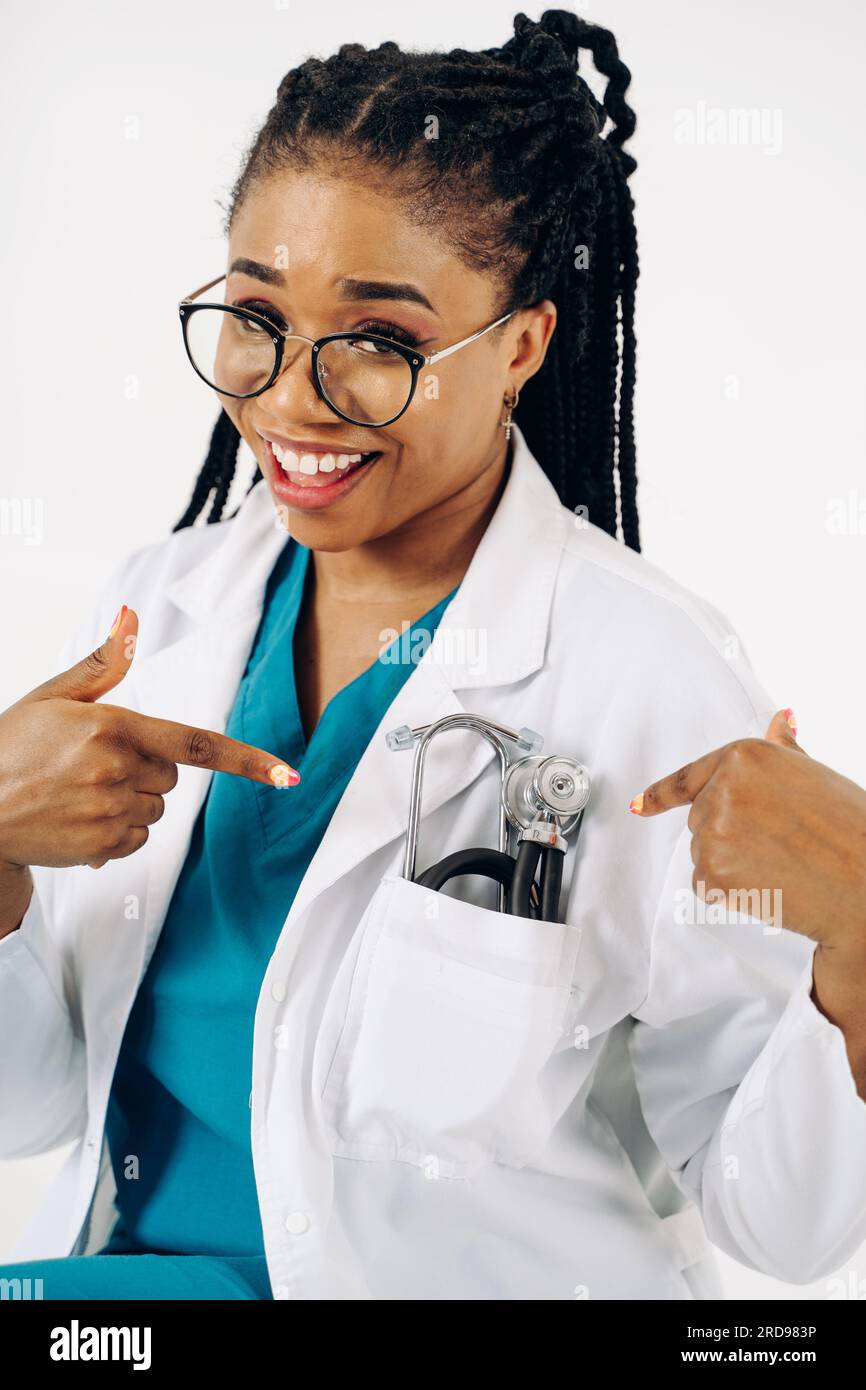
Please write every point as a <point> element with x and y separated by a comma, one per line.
<point>493,632</point>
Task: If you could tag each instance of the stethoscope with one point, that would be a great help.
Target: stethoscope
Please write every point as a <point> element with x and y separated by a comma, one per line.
<point>541,803</point>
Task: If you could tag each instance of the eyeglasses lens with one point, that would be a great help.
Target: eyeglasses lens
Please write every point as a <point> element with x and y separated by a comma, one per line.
<point>367,381</point>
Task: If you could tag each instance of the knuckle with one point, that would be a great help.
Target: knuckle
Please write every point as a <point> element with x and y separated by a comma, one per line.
<point>100,843</point>
<point>110,768</point>
<point>133,840</point>
<point>101,728</point>
<point>725,810</point>
<point>92,806</point>
<point>745,752</point>
<point>94,731</point>
<point>110,802</point>
<point>95,663</point>
<point>680,779</point>
<point>712,864</point>
<point>169,771</point>
<point>116,768</point>
<point>249,766</point>
<point>200,747</point>
<point>112,842</point>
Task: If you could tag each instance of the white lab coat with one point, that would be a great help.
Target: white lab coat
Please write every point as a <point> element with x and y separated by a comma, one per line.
<point>447,1102</point>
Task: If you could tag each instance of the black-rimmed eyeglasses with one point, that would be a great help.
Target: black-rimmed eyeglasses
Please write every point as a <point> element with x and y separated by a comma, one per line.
<point>365,378</point>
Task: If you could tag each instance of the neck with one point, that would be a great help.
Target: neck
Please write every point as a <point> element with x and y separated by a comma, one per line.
<point>427,556</point>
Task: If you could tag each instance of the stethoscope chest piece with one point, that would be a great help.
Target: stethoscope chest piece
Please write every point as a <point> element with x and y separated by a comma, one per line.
<point>555,786</point>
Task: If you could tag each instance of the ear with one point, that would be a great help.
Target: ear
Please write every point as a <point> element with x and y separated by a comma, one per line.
<point>528,338</point>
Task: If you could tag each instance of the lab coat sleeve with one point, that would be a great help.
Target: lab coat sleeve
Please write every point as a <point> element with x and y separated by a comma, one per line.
<point>43,1069</point>
<point>747,1089</point>
<point>43,1100</point>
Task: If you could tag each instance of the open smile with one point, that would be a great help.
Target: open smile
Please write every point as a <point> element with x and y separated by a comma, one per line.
<point>311,475</point>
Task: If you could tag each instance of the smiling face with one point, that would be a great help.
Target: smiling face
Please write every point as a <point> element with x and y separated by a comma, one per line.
<point>353,260</point>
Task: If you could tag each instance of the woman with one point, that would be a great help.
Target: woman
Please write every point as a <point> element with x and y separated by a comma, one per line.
<point>447,1101</point>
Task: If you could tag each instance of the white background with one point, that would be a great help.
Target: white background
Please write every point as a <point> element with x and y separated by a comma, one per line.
<point>123,124</point>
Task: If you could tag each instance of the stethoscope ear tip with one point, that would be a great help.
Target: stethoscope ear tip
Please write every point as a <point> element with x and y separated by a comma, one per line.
<point>528,741</point>
<point>400,739</point>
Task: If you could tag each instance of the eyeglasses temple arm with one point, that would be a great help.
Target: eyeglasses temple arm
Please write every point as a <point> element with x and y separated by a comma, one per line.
<point>209,286</point>
<point>446,352</point>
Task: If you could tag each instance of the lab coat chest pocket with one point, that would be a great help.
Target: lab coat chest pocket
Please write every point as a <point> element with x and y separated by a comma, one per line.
<point>453,1012</point>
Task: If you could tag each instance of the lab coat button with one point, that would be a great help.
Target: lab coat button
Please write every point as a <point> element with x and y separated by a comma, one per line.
<point>297,1222</point>
<point>278,989</point>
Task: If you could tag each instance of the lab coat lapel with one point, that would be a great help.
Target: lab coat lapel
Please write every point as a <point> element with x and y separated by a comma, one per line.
<point>374,808</point>
<point>493,633</point>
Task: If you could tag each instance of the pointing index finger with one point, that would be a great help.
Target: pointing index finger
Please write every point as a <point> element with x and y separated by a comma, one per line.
<point>183,743</point>
<point>679,788</point>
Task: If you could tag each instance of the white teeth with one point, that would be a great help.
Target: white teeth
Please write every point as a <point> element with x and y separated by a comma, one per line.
<point>291,462</point>
<point>287,458</point>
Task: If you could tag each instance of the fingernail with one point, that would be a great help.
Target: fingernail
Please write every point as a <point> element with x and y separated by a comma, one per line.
<point>118,619</point>
<point>636,804</point>
<point>792,720</point>
<point>284,776</point>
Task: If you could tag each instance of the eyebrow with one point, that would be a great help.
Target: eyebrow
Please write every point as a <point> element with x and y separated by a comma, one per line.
<point>383,289</point>
<point>258,270</point>
<point>349,288</point>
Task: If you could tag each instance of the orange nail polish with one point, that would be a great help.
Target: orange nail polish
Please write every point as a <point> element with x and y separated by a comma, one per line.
<point>284,776</point>
<point>792,721</point>
<point>118,620</point>
<point>636,804</point>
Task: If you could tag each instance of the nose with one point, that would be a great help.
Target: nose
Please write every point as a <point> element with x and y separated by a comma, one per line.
<point>293,393</point>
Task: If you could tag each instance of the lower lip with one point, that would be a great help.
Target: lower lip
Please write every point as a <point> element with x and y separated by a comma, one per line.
<point>315,495</point>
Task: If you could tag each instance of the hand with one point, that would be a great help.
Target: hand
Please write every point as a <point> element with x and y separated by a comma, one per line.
<point>81,782</point>
<point>766,816</point>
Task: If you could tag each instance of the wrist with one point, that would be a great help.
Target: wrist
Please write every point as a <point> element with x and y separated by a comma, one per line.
<point>839,984</point>
<point>844,956</point>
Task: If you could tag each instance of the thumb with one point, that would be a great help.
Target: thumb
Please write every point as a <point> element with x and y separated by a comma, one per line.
<point>101,670</point>
<point>782,729</point>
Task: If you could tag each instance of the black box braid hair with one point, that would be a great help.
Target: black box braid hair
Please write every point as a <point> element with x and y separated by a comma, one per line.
<point>522,176</point>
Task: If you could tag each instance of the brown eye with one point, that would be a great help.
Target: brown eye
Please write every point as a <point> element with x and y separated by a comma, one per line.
<point>264,311</point>
<point>390,330</point>
<point>369,349</point>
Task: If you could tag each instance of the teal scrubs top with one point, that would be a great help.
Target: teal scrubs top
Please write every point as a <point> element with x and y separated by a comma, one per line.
<point>178,1123</point>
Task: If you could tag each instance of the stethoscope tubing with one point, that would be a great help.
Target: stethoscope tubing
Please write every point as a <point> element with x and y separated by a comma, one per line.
<point>516,876</point>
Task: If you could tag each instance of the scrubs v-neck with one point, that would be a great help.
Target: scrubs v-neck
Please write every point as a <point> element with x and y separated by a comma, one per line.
<point>178,1123</point>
